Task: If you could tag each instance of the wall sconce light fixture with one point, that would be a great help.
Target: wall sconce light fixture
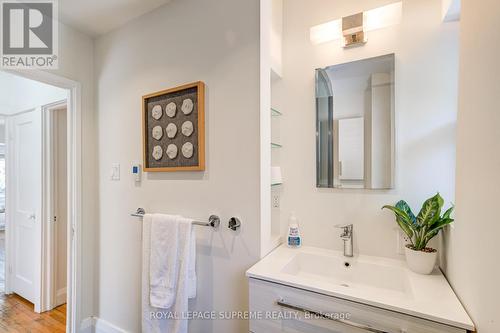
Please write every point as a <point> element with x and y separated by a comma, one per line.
<point>352,29</point>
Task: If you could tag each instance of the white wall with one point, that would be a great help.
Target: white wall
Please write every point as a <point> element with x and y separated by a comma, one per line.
<point>349,94</point>
<point>216,42</point>
<point>472,244</point>
<point>426,101</point>
<point>276,36</point>
<point>21,94</point>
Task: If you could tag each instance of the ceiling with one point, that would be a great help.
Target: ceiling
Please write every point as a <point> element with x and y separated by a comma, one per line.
<point>97,17</point>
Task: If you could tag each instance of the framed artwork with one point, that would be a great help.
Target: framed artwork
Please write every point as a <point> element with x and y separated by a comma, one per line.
<point>173,124</point>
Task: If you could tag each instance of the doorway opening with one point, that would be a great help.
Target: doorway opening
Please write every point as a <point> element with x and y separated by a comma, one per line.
<point>37,202</point>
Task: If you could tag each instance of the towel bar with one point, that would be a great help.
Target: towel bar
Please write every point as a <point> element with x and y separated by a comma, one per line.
<point>213,220</point>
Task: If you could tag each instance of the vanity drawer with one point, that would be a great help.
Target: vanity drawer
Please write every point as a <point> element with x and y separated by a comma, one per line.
<point>287,317</point>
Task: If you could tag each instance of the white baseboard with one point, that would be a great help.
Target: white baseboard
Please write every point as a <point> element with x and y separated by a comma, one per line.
<point>61,296</point>
<point>87,325</point>
<point>102,326</point>
<point>98,325</point>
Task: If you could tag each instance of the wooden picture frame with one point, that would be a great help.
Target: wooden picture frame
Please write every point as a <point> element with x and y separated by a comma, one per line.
<point>194,91</point>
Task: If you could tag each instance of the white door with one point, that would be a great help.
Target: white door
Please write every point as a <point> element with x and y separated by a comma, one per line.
<point>25,154</point>
<point>351,148</point>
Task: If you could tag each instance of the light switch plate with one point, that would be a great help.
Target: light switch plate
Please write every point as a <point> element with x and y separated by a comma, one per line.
<point>115,171</point>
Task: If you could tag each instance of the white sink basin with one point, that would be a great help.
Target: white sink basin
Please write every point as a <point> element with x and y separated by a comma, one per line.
<point>381,282</point>
<point>349,273</point>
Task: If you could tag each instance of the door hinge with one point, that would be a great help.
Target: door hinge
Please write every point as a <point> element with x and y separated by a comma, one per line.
<point>10,269</point>
<point>55,218</point>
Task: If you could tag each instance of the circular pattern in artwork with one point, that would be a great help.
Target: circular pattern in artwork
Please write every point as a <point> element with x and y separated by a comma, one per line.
<point>157,112</point>
<point>171,130</point>
<point>187,128</point>
<point>170,109</point>
<point>157,153</point>
<point>172,151</point>
<point>187,150</point>
<point>187,106</point>
<point>157,132</point>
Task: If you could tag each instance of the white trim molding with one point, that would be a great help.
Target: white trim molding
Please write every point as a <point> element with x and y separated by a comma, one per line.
<point>49,297</point>
<point>98,325</point>
<point>87,325</point>
<point>61,296</point>
<point>103,326</point>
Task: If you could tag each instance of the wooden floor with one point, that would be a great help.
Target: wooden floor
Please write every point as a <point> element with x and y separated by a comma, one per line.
<point>17,316</point>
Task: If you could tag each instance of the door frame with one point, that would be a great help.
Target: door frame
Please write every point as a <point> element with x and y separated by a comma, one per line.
<point>74,156</point>
<point>49,204</point>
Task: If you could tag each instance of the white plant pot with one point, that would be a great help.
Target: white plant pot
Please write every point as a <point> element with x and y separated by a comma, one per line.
<point>421,262</point>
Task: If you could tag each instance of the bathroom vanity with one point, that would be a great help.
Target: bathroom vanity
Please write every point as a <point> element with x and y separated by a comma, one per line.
<point>321,291</point>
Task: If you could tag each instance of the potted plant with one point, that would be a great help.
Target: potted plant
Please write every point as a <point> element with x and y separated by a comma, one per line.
<point>420,230</point>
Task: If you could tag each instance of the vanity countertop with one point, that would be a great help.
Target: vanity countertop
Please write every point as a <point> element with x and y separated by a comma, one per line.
<point>381,282</point>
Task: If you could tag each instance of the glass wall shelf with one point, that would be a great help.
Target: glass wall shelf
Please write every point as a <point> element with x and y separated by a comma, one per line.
<point>275,113</point>
<point>275,145</point>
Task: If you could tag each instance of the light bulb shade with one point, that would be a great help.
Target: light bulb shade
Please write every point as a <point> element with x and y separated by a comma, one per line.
<point>326,32</point>
<point>383,17</point>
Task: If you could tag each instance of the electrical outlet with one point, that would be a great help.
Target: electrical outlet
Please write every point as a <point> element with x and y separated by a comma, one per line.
<point>402,240</point>
<point>276,201</point>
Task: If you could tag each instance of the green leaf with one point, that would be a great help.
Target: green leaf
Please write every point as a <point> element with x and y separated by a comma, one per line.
<point>403,205</point>
<point>431,211</point>
<point>438,226</point>
<point>406,228</point>
<point>446,215</point>
<point>399,213</point>
<point>448,212</point>
<point>403,220</point>
<point>426,225</point>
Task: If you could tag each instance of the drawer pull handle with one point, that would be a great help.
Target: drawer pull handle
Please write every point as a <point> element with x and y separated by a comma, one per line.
<point>322,315</point>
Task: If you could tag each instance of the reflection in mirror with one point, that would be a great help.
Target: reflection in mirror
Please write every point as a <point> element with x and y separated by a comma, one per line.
<point>355,124</point>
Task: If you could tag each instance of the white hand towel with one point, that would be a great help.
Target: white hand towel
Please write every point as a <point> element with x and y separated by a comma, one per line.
<point>155,320</point>
<point>191,275</point>
<point>164,259</point>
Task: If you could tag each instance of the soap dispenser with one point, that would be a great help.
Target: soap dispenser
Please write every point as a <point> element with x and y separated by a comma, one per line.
<point>294,239</point>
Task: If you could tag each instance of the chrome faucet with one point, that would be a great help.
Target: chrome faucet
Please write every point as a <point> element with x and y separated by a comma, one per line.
<point>347,231</point>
